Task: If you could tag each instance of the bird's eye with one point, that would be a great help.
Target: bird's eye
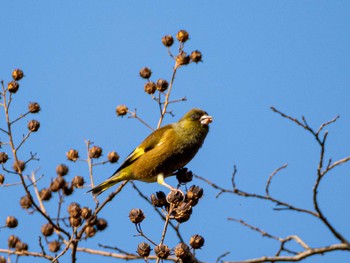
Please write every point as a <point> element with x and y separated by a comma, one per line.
<point>195,116</point>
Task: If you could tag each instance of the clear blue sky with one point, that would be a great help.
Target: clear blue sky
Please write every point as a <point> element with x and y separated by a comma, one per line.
<point>81,59</point>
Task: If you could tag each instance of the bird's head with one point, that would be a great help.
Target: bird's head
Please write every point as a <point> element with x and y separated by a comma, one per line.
<point>197,117</point>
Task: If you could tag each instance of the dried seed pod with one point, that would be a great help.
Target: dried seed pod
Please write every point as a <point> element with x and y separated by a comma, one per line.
<point>62,169</point>
<point>101,224</point>
<point>86,212</point>
<point>75,221</point>
<point>12,241</point>
<point>162,251</point>
<point>74,210</point>
<point>57,184</point>
<point>182,212</point>
<point>33,125</point>
<point>54,246</point>
<point>95,152</point>
<point>21,246</point>
<point>150,87</point>
<point>159,199</point>
<point>182,251</point>
<point>143,249</point>
<point>17,74</point>
<point>25,202</point>
<point>3,157</point>
<point>34,107</point>
<point>91,220</point>
<point>184,176</point>
<point>45,194</point>
<point>121,110</point>
<point>2,179</point>
<point>196,56</point>
<point>167,40</point>
<point>78,181</point>
<point>19,166</point>
<point>47,229</point>
<point>68,189</point>
<point>136,216</point>
<point>162,85</point>
<point>13,86</point>
<point>72,155</point>
<point>175,197</point>
<point>193,194</point>
<point>90,231</point>
<point>11,222</point>
<point>196,241</point>
<point>113,157</point>
<point>182,36</point>
<point>145,73</point>
<point>182,59</point>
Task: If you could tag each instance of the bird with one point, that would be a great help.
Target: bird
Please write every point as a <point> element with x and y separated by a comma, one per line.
<point>163,152</point>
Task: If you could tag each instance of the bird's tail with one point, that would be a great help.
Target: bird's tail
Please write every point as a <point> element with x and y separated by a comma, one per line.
<point>97,190</point>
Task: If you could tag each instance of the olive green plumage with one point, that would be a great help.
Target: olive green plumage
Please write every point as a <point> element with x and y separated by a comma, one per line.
<point>163,152</point>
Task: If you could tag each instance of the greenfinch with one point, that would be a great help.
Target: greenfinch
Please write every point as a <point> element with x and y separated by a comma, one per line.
<point>163,152</point>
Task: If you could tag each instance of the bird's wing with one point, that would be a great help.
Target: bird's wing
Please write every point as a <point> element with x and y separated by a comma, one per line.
<point>154,140</point>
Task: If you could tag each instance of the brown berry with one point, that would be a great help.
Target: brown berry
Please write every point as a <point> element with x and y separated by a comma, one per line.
<point>21,246</point>
<point>34,107</point>
<point>45,194</point>
<point>150,87</point>
<point>196,241</point>
<point>136,216</point>
<point>121,110</point>
<point>33,125</point>
<point>182,59</point>
<point>13,86</point>
<point>175,197</point>
<point>3,157</point>
<point>2,179</point>
<point>184,176</point>
<point>101,224</point>
<point>54,246</point>
<point>17,74</point>
<point>182,251</point>
<point>143,249</point>
<point>72,155</point>
<point>74,210</point>
<point>95,152</point>
<point>162,251</point>
<point>11,222</point>
<point>162,85</point>
<point>19,166</point>
<point>90,231</point>
<point>78,181</point>
<point>47,229</point>
<point>159,199</point>
<point>62,169</point>
<point>113,157</point>
<point>145,73</point>
<point>86,212</point>
<point>182,36</point>
<point>167,40</point>
<point>12,241</point>
<point>196,56</point>
<point>25,202</point>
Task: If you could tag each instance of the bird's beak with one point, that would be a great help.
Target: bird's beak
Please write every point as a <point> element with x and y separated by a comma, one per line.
<point>206,119</point>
